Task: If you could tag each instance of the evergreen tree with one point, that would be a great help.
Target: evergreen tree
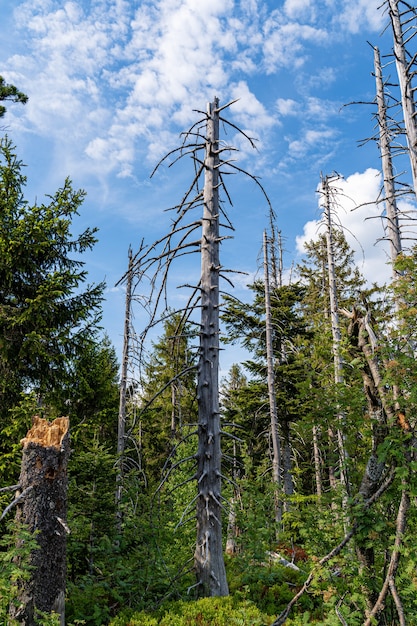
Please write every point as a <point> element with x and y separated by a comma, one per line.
<point>10,92</point>
<point>246,323</point>
<point>168,395</point>
<point>46,311</point>
<point>48,314</point>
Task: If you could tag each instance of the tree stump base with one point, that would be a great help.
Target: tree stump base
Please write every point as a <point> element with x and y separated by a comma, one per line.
<point>43,510</point>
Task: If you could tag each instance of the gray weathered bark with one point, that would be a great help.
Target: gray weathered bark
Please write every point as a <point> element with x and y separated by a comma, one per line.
<point>276,445</point>
<point>209,560</point>
<point>317,462</point>
<point>44,510</point>
<point>393,227</point>
<point>336,334</point>
<point>405,72</point>
<point>121,424</point>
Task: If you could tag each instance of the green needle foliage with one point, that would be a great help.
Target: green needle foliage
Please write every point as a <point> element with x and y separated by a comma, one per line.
<point>47,311</point>
<point>11,93</point>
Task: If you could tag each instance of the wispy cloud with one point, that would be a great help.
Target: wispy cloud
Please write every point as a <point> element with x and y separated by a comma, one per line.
<point>356,212</point>
<point>117,75</point>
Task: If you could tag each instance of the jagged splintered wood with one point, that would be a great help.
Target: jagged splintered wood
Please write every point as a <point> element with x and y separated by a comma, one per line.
<point>209,561</point>
<point>43,510</point>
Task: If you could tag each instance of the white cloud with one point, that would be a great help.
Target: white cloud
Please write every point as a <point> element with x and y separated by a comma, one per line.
<point>317,139</point>
<point>297,8</point>
<point>359,216</point>
<point>284,42</point>
<point>287,106</point>
<point>121,75</point>
<point>248,111</point>
<point>362,13</point>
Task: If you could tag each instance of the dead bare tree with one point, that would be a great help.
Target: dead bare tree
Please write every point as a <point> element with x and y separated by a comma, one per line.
<point>275,437</point>
<point>393,228</point>
<point>121,424</point>
<point>328,194</point>
<point>202,143</point>
<point>403,20</point>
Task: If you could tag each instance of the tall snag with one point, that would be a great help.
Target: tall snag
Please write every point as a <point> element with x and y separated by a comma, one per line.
<point>328,192</point>
<point>209,562</point>
<point>391,208</point>
<point>121,422</point>
<point>403,21</point>
<point>276,444</point>
<point>153,263</point>
<point>42,508</point>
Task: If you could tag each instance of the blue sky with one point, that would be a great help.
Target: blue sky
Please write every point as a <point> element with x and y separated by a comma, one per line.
<point>112,83</point>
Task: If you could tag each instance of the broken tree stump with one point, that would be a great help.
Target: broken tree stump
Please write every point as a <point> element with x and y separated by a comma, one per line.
<point>43,510</point>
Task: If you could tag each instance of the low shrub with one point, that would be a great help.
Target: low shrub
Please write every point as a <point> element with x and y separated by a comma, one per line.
<point>227,611</point>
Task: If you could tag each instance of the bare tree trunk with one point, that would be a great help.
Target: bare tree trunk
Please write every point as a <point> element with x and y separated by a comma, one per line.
<point>287,473</point>
<point>43,509</point>
<point>121,425</point>
<point>387,168</point>
<point>317,462</point>
<point>232,528</point>
<point>405,74</point>
<point>209,560</point>
<point>276,446</point>
<point>334,316</point>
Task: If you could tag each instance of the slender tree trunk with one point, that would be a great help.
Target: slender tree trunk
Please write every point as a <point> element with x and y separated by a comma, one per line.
<point>335,323</point>
<point>232,528</point>
<point>121,425</point>
<point>209,560</point>
<point>317,462</point>
<point>276,445</point>
<point>44,480</point>
<point>387,167</point>
<point>405,72</point>
<point>287,474</point>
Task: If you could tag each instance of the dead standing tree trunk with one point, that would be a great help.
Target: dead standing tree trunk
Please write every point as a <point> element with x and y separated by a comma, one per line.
<point>209,562</point>
<point>121,426</point>
<point>276,444</point>
<point>153,263</point>
<point>335,323</point>
<point>43,509</point>
<point>406,69</point>
<point>393,228</point>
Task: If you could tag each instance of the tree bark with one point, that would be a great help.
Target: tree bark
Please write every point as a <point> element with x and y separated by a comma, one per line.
<point>121,423</point>
<point>393,227</point>
<point>336,334</point>
<point>276,444</point>
<point>43,511</point>
<point>317,462</point>
<point>209,560</point>
<point>405,71</point>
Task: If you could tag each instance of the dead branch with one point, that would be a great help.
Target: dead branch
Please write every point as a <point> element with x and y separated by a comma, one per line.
<point>11,488</point>
<point>333,553</point>
<point>239,130</point>
<point>16,501</point>
<point>389,581</point>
